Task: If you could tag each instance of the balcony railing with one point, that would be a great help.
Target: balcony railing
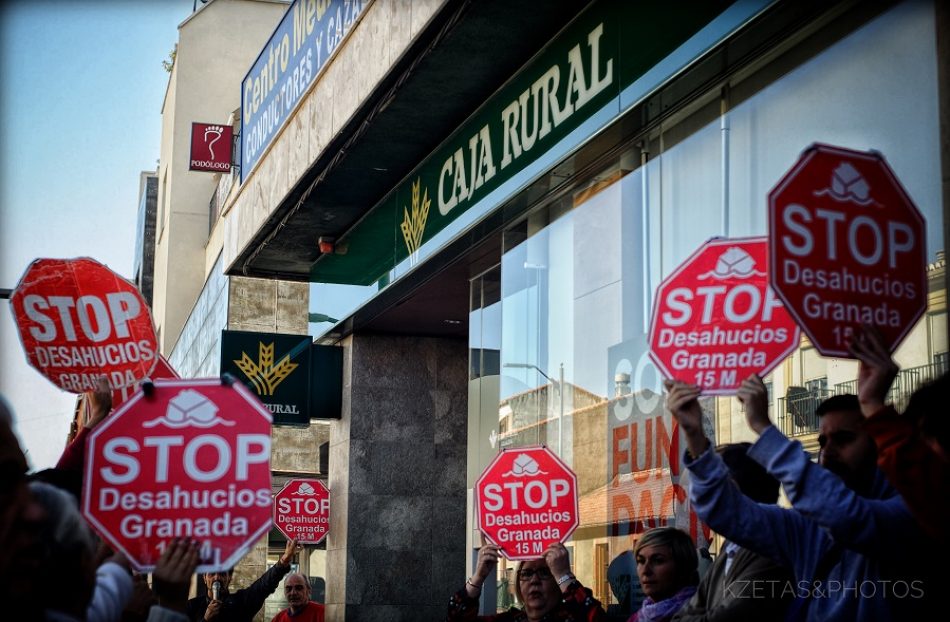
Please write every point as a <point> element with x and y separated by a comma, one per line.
<point>796,413</point>
<point>907,381</point>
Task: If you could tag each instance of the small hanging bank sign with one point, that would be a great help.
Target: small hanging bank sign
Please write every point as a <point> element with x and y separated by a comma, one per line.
<point>78,320</point>
<point>275,367</point>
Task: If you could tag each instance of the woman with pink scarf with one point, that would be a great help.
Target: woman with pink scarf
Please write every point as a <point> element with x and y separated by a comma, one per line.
<point>667,568</point>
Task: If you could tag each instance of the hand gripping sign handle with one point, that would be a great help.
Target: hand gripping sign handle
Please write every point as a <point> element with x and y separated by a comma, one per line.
<point>148,387</point>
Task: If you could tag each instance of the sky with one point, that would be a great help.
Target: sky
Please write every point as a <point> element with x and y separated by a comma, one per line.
<point>81,89</point>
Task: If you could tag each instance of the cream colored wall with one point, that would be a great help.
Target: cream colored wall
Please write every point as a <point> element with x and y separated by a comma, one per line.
<point>375,43</point>
<point>217,45</point>
<point>160,283</point>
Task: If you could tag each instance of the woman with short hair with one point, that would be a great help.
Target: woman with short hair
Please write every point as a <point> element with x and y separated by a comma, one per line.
<point>667,568</point>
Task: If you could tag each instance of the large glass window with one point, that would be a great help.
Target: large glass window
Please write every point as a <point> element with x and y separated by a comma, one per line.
<point>578,275</point>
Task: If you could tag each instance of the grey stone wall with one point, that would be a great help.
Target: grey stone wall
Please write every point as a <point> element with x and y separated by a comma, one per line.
<point>397,475</point>
<point>297,449</point>
<point>264,305</point>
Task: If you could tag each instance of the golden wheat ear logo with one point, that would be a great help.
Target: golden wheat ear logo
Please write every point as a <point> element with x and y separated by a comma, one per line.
<point>264,375</point>
<point>414,224</point>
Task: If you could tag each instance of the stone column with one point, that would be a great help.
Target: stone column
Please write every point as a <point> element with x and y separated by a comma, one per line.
<point>397,479</point>
<point>266,305</point>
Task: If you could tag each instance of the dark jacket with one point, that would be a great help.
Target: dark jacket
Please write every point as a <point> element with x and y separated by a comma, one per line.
<point>578,605</point>
<point>756,588</point>
<point>242,605</point>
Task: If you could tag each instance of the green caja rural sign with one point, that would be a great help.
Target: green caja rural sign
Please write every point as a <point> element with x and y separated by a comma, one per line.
<point>580,73</point>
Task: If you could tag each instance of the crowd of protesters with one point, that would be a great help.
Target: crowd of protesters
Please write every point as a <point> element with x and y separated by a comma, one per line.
<point>53,567</point>
<point>864,536</point>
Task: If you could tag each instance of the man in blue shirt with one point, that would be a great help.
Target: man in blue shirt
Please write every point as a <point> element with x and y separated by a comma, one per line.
<point>848,536</point>
<point>727,592</point>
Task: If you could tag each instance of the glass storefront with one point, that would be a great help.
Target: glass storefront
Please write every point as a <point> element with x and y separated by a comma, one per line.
<point>558,330</point>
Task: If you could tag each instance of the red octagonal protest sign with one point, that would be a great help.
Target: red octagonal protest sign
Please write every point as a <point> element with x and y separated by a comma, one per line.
<point>848,247</point>
<point>302,510</point>
<point>526,500</point>
<point>716,320</point>
<point>189,460</point>
<point>78,319</point>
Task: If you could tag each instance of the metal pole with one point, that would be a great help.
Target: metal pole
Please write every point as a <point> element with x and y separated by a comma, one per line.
<point>560,417</point>
<point>724,132</point>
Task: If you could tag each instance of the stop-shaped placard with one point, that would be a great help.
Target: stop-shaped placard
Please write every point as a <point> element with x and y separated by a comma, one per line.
<point>716,320</point>
<point>78,319</point>
<point>526,500</point>
<point>190,460</point>
<point>302,510</point>
<point>848,246</point>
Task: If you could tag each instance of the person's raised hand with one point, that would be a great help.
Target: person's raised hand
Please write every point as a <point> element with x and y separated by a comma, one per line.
<point>141,600</point>
<point>487,560</point>
<point>289,550</point>
<point>682,399</point>
<point>172,576</point>
<point>558,560</point>
<point>755,398</point>
<point>876,368</point>
<point>100,402</point>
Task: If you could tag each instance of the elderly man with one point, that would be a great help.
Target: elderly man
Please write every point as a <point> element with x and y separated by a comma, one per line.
<point>218,604</point>
<point>302,609</point>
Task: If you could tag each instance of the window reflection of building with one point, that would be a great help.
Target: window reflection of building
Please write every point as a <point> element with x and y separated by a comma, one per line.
<point>531,417</point>
<point>629,220</point>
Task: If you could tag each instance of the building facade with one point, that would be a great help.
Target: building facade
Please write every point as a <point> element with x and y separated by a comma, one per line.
<point>482,199</point>
<point>194,300</point>
<point>215,46</point>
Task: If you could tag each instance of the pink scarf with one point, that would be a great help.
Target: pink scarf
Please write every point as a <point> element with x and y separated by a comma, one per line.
<point>663,610</point>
